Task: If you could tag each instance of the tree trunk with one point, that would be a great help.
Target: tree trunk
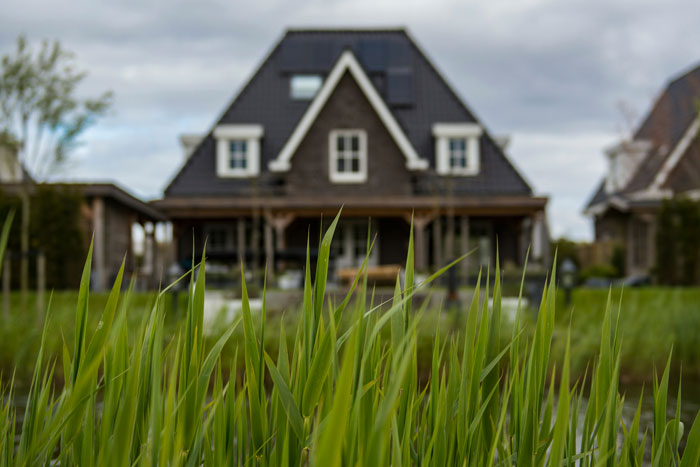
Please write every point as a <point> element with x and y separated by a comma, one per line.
<point>24,245</point>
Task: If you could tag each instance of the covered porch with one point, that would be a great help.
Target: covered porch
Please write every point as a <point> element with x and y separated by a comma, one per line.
<point>274,232</point>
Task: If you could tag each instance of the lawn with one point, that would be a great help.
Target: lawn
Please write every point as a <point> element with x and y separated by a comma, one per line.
<point>653,321</point>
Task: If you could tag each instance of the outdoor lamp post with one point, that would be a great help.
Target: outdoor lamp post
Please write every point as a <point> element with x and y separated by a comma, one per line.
<point>174,273</point>
<point>568,277</point>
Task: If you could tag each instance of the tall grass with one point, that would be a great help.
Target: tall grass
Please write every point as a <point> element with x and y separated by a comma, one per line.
<point>340,395</point>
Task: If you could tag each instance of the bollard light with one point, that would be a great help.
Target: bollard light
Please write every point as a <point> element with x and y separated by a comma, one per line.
<point>568,271</point>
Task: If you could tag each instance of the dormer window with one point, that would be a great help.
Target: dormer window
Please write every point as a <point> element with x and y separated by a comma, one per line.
<point>238,150</point>
<point>458,154</point>
<point>304,87</point>
<point>348,156</point>
<point>457,148</point>
<point>238,154</point>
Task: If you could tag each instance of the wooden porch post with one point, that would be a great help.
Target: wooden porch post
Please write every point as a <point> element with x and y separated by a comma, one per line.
<point>524,240</point>
<point>437,242</point>
<point>241,241</point>
<point>538,233</point>
<point>420,222</point>
<point>464,245</point>
<point>278,222</point>
<point>149,258</point>
<point>98,220</point>
<point>269,247</point>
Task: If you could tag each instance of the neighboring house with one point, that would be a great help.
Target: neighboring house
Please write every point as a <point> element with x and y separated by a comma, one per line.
<point>661,161</point>
<point>360,119</point>
<point>108,214</point>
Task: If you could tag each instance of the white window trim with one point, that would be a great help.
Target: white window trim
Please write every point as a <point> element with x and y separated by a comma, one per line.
<point>471,132</point>
<point>345,177</point>
<point>347,62</point>
<point>251,134</point>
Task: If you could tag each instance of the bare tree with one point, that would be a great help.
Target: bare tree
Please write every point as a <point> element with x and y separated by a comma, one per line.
<point>42,117</point>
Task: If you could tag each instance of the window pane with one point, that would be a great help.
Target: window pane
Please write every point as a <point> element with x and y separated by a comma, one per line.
<point>341,144</point>
<point>243,162</point>
<point>341,165</point>
<point>304,86</point>
<point>355,164</point>
<point>355,143</point>
<point>243,146</point>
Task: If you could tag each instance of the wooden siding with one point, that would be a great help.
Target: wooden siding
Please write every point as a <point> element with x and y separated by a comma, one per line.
<point>348,108</point>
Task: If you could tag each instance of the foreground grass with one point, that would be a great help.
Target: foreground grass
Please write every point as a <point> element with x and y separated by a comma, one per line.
<point>346,392</point>
<point>654,321</point>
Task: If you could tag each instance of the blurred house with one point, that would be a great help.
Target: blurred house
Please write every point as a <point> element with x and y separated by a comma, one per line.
<point>661,160</point>
<point>107,216</point>
<point>360,119</point>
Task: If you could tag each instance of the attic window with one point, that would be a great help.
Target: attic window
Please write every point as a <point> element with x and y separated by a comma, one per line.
<point>457,148</point>
<point>304,87</point>
<point>238,150</point>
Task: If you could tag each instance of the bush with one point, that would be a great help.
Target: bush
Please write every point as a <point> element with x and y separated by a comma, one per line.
<point>606,271</point>
<point>54,229</point>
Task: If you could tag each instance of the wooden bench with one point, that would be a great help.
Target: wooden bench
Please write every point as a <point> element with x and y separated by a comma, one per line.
<point>384,275</point>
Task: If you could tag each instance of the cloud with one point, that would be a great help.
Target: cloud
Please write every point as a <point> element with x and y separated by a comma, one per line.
<point>550,73</point>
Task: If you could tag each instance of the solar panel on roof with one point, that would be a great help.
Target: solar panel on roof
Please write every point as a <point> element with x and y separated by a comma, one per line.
<point>399,86</point>
<point>292,55</point>
<point>322,55</point>
<point>308,55</point>
<point>399,55</point>
<point>373,54</point>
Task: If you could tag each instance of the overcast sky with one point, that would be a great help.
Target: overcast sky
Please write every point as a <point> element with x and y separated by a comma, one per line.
<point>552,74</point>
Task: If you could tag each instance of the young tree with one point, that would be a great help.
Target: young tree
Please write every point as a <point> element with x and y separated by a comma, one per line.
<point>42,116</point>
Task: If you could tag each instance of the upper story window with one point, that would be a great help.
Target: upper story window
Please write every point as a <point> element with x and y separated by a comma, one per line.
<point>238,154</point>
<point>348,156</point>
<point>238,150</point>
<point>458,154</point>
<point>304,87</point>
<point>457,148</point>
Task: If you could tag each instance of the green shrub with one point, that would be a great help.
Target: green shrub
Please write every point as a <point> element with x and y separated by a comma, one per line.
<point>606,271</point>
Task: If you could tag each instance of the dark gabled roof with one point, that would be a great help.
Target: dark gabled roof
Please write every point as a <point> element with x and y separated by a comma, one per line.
<point>387,56</point>
<point>97,189</point>
<point>115,192</point>
<point>599,195</point>
<point>664,126</point>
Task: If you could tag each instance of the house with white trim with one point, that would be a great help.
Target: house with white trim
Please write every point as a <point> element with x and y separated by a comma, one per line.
<point>659,162</point>
<point>364,120</point>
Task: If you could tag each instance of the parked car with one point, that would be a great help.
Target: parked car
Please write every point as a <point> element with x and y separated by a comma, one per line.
<point>637,281</point>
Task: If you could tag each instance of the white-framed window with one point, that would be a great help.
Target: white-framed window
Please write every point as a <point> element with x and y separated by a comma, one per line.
<point>348,156</point>
<point>304,87</point>
<point>238,150</point>
<point>457,148</point>
<point>238,154</point>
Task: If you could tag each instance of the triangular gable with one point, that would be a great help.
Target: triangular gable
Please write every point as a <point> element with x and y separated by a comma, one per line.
<point>347,62</point>
<point>675,156</point>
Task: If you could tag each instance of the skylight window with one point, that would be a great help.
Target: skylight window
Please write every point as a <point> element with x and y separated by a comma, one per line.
<point>304,87</point>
